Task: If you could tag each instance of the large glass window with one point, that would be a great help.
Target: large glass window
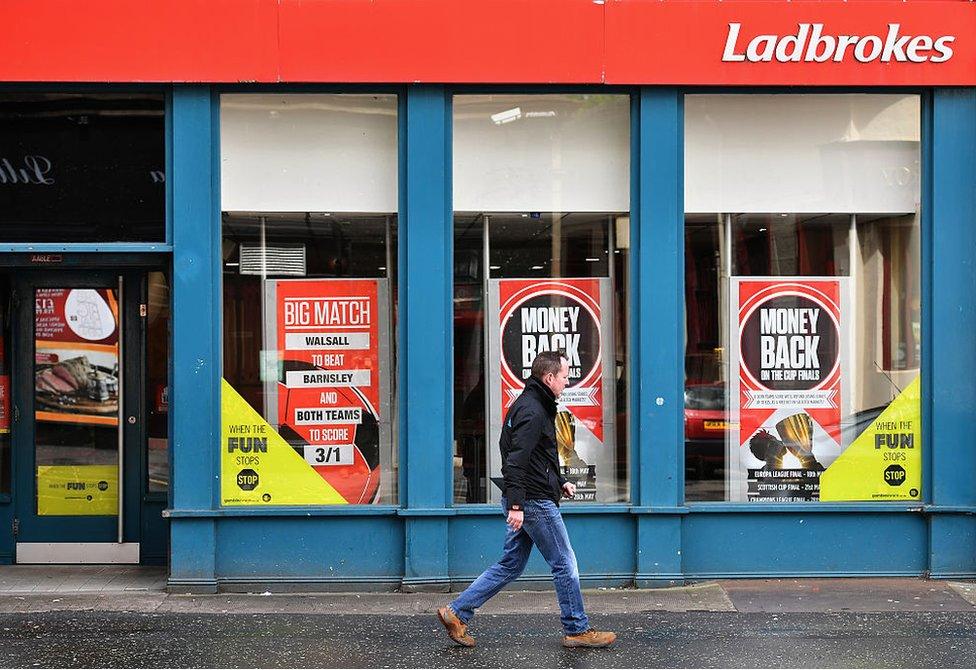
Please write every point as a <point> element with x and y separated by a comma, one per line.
<point>541,254</point>
<point>309,200</point>
<point>6,309</point>
<point>82,167</point>
<point>802,295</point>
<point>157,381</point>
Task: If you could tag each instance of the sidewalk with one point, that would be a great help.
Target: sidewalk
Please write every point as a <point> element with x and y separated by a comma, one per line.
<point>142,589</point>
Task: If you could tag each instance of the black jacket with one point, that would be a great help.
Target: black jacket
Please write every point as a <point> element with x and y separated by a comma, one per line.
<point>530,460</point>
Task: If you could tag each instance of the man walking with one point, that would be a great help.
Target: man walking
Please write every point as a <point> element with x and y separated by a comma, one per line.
<point>533,486</point>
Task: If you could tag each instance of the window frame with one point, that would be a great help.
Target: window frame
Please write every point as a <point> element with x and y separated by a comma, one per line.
<point>633,334</point>
<point>925,373</point>
<point>396,299</point>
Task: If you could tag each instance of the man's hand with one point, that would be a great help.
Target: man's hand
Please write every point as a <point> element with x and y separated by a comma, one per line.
<point>569,490</point>
<point>515,519</point>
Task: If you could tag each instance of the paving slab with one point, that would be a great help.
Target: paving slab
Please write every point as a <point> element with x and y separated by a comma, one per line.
<point>20,579</point>
<point>854,594</point>
<point>703,598</point>
<point>142,589</point>
<point>80,602</point>
<point>965,589</point>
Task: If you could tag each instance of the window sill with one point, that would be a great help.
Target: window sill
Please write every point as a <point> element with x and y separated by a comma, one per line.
<point>481,509</point>
<point>805,507</point>
<point>571,509</point>
<point>232,512</point>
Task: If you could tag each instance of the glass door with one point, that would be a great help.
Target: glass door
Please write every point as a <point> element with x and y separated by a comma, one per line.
<point>77,401</point>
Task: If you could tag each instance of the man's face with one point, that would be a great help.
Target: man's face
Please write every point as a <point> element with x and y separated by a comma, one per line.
<point>557,382</point>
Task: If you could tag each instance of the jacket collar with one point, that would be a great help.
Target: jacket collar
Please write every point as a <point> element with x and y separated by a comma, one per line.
<point>544,392</point>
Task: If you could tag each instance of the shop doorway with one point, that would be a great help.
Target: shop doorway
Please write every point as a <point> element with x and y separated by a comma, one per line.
<point>87,414</point>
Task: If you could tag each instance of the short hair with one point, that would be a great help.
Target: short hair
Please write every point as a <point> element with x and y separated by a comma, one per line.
<point>548,362</point>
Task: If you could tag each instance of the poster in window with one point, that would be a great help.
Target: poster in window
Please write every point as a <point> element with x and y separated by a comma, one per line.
<point>4,404</point>
<point>790,381</point>
<point>571,315</point>
<point>326,399</point>
<point>76,356</point>
<point>797,438</point>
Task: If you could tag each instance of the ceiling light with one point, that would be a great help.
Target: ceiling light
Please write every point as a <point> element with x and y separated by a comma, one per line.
<point>507,116</point>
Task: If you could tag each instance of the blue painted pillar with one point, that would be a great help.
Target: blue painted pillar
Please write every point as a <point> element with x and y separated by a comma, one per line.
<point>659,308</point>
<point>426,326</point>
<point>949,388</point>
<point>195,364</point>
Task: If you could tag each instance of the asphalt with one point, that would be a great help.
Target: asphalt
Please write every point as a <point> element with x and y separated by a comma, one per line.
<point>808,623</point>
<point>705,639</point>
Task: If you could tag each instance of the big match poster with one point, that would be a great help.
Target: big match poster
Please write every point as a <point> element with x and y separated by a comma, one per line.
<point>326,399</point>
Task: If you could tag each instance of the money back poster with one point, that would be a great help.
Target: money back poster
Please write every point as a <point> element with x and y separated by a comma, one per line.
<point>569,315</point>
<point>797,437</point>
<point>788,385</point>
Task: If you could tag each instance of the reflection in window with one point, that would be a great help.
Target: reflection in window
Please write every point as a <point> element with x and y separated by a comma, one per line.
<point>82,167</point>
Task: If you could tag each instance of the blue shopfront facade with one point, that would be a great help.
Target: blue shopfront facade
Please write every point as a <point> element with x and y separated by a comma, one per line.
<point>428,540</point>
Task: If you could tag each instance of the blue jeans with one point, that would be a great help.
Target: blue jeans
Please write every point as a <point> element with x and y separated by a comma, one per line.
<point>543,526</point>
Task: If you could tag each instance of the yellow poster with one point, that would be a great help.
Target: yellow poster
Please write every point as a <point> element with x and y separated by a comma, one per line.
<point>885,461</point>
<point>258,467</point>
<point>77,490</point>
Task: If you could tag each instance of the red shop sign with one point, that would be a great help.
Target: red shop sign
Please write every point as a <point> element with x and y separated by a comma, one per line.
<point>694,42</point>
<point>792,43</point>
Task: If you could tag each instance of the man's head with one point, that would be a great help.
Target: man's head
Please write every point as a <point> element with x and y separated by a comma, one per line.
<point>552,369</point>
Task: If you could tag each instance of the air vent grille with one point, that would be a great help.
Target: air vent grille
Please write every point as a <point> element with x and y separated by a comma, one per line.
<point>288,260</point>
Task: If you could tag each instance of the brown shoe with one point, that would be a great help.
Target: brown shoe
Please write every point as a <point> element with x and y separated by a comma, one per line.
<point>591,638</point>
<point>455,629</point>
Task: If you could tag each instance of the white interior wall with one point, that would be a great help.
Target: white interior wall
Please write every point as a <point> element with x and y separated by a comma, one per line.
<point>802,153</point>
<point>308,153</point>
<point>557,153</point>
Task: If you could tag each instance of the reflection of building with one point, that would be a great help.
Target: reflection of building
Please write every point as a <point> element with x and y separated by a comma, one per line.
<point>610,160</point>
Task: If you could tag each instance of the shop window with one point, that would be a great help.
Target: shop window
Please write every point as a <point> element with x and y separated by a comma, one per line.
<point>157,381</point>
<point>802,297</point>
<point>309,224</point>
<point>541,254</point>
<point>82,168</point>
<point>6,312</point>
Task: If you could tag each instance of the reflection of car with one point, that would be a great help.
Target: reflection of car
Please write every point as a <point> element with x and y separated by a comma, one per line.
<point>706,427</point>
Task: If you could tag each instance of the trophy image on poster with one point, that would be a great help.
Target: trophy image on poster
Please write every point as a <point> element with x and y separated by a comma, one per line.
<point>795,437</point>
<point>574,468</point>
<point>796,431</point>
<point>566,440</point>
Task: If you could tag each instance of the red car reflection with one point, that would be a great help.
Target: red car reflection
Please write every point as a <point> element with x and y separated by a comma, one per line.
<point>706,427</point>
